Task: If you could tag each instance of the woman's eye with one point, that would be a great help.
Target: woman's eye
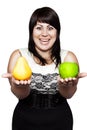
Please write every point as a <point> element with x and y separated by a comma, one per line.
<point>38,28</point>
<point>50,28</point>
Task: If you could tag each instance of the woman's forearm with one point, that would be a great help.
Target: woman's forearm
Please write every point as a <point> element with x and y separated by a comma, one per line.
<point>20,91</point>
<point>67,92</point>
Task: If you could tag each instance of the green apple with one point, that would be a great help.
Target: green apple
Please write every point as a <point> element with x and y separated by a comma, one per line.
<point>68,69</point>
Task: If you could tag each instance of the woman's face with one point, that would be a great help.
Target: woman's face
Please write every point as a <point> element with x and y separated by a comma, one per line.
<point>44,36</point>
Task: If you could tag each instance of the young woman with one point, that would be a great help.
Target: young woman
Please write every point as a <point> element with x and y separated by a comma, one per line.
<point>42,100</point>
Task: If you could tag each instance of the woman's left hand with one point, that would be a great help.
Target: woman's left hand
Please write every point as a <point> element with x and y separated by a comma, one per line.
<point>71,81</point>
<point>68,86</point>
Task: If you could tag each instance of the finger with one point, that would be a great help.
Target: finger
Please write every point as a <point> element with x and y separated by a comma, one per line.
<point>29,81</point>
<point>6,75</point>
<point>82,75</point>
<point>72,78</point>
<point>60,79</point>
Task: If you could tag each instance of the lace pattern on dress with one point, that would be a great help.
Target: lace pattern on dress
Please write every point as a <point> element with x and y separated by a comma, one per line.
<point>44,83</point>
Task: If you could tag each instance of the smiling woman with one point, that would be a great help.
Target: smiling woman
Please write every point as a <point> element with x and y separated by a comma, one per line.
<point>43,98</point>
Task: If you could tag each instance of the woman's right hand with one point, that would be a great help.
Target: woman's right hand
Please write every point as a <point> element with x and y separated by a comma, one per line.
<point>20,88</point>
<point>15,81</point>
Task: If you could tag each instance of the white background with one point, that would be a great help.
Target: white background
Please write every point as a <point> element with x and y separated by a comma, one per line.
<point>14,19</point>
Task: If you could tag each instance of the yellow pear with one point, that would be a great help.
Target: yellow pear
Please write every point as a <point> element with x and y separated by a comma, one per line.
<point>22,70</point>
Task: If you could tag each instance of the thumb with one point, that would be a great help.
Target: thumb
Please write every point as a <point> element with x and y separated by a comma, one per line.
<point>82,75</point>
<point>6,75</point>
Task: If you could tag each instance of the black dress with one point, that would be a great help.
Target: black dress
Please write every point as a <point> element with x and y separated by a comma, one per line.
<point>42,111</point>
<point>44,108</point>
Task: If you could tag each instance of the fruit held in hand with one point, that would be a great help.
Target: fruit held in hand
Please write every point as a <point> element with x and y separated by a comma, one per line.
<point>22,70</point>
<point>68,69</point>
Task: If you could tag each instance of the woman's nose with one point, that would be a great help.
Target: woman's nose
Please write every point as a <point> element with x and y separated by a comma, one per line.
<point>44,32</point>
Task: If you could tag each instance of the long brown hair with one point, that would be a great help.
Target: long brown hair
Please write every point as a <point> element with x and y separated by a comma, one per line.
<point>45,15</point>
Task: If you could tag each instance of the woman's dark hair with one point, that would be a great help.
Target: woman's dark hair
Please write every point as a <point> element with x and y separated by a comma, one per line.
<point>45,15</point>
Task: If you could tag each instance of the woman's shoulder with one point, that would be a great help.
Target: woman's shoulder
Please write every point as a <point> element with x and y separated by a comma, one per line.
<point>19,52</point>
<point>25,52</point>
<point>67,55</point>
<point>12,60</point>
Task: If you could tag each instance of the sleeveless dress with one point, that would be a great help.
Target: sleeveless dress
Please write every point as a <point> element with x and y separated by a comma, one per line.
<point>44,108</point>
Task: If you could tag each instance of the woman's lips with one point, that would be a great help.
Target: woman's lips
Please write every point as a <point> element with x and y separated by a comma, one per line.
<point>44,41</point>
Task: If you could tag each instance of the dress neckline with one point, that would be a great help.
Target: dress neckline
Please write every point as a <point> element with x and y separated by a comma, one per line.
<point>43,66</point>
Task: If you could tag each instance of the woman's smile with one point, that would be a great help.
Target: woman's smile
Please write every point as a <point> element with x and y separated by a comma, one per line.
<point>44,41</point>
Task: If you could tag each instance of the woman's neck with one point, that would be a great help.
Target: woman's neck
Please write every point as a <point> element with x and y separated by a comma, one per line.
<point>46,55</point>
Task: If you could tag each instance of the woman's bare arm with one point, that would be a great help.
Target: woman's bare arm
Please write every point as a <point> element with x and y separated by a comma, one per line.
<point>68,86</point>
<point>19,88</point>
